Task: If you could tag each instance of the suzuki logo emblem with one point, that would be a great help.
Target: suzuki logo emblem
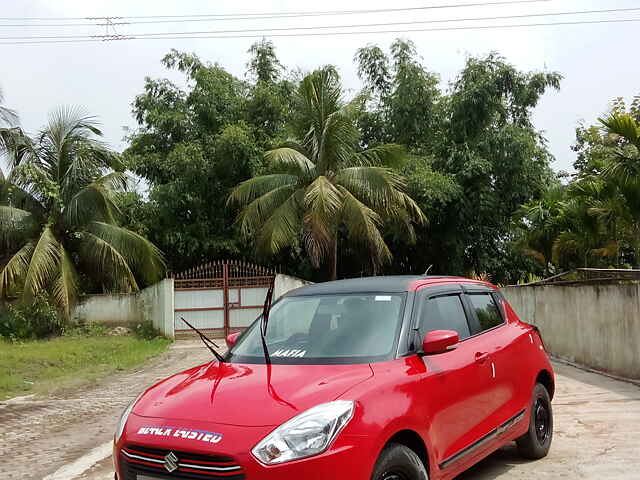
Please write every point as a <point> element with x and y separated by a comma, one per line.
<point>171,462</point>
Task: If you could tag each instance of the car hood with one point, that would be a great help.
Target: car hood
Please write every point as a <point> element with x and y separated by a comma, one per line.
<point>248,394</point>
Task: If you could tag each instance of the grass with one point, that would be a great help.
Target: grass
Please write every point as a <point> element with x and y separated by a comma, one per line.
<point>65,362</point>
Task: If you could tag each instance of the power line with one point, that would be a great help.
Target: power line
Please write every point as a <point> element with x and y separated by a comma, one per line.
<point>318,34</point>
<point>322,27</point>
<point>244,16</point>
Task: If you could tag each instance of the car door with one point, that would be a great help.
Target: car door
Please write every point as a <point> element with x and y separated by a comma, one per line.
<point>456,379</point>
<point>495,336</point>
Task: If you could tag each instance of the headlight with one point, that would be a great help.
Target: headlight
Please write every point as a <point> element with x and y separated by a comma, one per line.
<point>307,434</point>
<point>123,419</point>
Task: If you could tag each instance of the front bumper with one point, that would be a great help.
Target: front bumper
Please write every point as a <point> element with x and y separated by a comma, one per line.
<point>138,455</point>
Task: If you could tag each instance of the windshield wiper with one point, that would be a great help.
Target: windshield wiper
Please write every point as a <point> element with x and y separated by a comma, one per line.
<point>210,344</point>
<point>265,320</point>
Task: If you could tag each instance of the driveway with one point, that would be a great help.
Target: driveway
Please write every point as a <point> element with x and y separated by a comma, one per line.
<point>597,429</point>
<point>41,436</point>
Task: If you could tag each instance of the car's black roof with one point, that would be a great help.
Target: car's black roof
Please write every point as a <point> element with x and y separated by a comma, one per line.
<point>389,284</point>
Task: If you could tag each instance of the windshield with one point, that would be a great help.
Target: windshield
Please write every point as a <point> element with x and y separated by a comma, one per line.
<point>346,328</point>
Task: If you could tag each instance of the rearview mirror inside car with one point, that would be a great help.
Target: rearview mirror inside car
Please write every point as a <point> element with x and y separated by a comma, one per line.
<point>439,341</point>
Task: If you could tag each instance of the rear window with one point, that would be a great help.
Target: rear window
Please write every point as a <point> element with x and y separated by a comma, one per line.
<point>346,328</point>
<point>487,311</point>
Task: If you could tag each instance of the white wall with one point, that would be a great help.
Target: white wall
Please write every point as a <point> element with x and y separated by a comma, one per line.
<point>154,304</point>
<point>113,309</point>
<point>285,283</point>
<point>597,326</point>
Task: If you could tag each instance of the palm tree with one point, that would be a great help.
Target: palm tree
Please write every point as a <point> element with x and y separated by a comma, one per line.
<point>585,239</point>
<point>625,166</point>
<point>58,216</point>
<point>7,116</point>
<point>541,223</point>
<point>322,187</point>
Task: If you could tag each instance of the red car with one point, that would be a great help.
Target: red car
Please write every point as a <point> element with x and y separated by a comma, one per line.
<point>384,378</point>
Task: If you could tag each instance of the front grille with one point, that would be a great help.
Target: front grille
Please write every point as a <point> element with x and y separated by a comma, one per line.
<point>137,460</point>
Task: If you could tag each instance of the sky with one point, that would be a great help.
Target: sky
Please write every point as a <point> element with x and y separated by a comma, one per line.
<point>598,61</point>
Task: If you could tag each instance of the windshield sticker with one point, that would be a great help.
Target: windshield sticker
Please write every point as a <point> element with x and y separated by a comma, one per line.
<point>383,298</point>
<point>198,435</point>
<point>293,353</point>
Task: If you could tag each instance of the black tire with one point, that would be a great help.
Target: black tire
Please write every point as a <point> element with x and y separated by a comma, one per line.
<point>536,442</point>
<point>397,462</point>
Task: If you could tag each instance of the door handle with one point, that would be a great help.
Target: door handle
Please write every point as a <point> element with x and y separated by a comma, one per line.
<point>482,357</point>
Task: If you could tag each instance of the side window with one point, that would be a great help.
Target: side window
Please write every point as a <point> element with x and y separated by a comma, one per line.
<point>444,313</point>
<point>487,311</point>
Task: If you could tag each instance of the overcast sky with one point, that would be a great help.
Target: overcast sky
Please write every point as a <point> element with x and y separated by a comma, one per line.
<point>599,61</point>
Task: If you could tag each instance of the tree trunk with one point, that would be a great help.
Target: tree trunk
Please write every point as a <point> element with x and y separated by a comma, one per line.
<point>332,259</point>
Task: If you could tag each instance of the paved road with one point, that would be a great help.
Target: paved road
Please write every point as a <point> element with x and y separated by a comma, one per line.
<point>40,436</point>
<point>597,429</point>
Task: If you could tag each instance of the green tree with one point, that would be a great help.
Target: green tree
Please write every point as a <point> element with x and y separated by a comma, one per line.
<point>405,95</point>
<point>320,186</point>
<point>192,146</point>
<point>541,222</point>
<point>595,219</point>
<point>478,144</point>
<point>263,64</point>
<point>195,143</point>
<point>59,217</point>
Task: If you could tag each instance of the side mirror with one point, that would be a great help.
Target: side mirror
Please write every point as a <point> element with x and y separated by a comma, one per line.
<point>439,341</point>
<point>231,339</point>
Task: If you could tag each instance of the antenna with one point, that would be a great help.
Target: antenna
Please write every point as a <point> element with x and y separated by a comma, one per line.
<point>427,270</point>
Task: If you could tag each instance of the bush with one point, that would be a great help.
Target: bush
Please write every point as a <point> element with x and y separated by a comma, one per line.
<point>25,321</point>
<point>85,329</point>
<point>145,330</point>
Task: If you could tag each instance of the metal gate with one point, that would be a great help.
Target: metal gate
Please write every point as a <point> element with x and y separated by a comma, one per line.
<point>220,297</point>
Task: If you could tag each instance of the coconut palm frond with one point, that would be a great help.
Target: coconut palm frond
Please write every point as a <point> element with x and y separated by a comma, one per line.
<point>15,270</point>
<point>283,227</point>
<point>318,96</point>
<point>363,226</point>
<point>15,225</point>
<point>322,202</point>
<point>378,187</point>
<point>16,146</point>
<point>413,210</point>
<point>624,125</point>
<point>251,189</point>
<point>109,262</point>
<point>65,288</point>
<point>290,161</point>
<point>83,161</point>
<point>337,142</point>
<point>95,202</point>
<point>387,155</point>
<point>68,148</point>
<point>257,212</point>
<point>16,196</point>
<point>7,115</point>
<point>139,253</point>
<point>44,264</point>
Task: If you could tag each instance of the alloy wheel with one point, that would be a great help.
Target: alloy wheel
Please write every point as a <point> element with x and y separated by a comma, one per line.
<point>542,423</point>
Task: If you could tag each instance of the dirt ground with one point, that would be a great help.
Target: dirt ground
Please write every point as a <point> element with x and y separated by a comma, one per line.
<point>597,429</point>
